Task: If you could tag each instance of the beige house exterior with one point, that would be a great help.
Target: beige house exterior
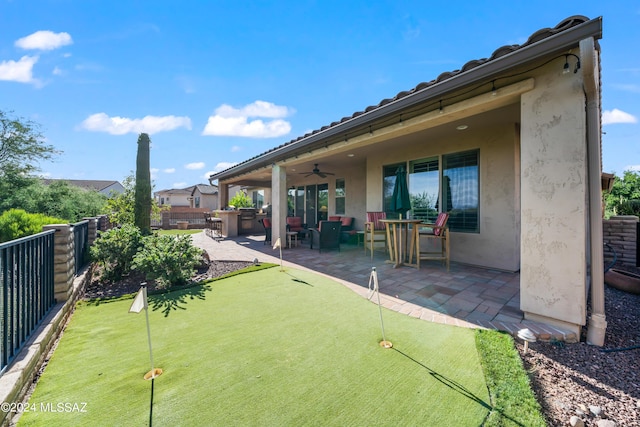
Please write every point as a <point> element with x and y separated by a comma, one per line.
<point>530,117</point>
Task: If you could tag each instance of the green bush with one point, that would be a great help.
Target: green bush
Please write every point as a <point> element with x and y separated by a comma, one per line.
<point>170,260</point>
<point>16,223</point>
<point>241,200</point>
<point>115,249</point>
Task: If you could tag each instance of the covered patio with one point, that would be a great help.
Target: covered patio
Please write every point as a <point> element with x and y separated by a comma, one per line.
<point>465,296</point>
<point>508,146</point>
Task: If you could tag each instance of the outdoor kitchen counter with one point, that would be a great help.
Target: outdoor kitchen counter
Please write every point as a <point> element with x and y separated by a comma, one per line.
<point>229,222</point>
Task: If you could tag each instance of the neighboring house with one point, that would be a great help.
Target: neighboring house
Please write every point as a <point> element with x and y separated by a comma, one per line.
<point>204,196</point>
<point>174,196</point>
<point>104,187</point>
<point>510,143</point>
<point>195,196</point>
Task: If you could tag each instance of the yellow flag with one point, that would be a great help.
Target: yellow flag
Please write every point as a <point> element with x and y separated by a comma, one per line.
<point>277,244</point>
<point>140,301</point>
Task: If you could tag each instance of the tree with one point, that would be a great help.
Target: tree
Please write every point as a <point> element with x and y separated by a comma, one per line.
<point>241,200</point>
<point>120,206</point>
<point>142,206</point>
<point>22,146</point>
<point>624,197</point>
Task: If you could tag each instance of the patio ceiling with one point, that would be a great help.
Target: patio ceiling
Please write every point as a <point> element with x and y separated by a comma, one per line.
<point>336,158</point>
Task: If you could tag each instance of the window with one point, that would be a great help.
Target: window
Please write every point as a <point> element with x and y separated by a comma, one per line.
<point>460,190</point>
<point>448,183</point>
<point>323,202</point>
<point>197,202</point>
<point>424,188</point>
<point>258,198</point>
<point>340,196</point>
<point>389,181</point>
<point>299,202</point>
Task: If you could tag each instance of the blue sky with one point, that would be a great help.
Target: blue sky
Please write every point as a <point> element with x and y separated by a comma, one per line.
<point>217,82</point>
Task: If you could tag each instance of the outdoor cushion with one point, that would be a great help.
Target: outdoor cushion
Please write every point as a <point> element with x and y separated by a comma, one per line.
<point>375,217</point>
<point>294,223</point>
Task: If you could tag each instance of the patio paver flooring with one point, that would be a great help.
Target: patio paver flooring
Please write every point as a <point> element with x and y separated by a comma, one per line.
<point>465,296</point>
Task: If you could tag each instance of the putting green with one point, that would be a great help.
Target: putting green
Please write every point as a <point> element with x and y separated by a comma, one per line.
<point>262,348</point>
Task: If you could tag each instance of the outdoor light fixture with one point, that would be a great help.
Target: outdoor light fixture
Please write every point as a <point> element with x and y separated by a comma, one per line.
<point>566,69</point>
<point>462,127</point>
<point>526,336</point>
<point>493,88</point>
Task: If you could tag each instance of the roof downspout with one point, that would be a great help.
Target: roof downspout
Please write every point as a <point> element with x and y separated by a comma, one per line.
<point>591,65</point>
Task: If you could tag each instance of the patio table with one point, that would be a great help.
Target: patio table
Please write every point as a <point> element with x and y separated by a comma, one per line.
<point>396,230</point>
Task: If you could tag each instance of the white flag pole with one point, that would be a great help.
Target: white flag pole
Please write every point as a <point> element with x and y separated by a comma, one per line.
<point>146,312</point>
<point>139,303</point>
<point>277,245</point>
<point>373,279</point>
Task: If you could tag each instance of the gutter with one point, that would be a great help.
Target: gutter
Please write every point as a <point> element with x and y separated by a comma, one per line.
<point>597,325</point>
<point>548,46</point>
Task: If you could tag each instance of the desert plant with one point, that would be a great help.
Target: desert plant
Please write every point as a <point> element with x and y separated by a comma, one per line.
<point>16,223</point>
<point>115,249</point>
<point>170,260</point>
<point>142,209</point>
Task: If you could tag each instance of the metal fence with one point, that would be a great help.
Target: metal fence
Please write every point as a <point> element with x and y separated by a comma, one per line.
<point>81,238</point>
<point>26,290</point>
<point>170,219</point>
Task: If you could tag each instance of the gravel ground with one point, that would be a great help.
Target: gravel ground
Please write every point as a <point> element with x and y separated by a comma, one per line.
<point>131,283</point>
<point>582,381</point>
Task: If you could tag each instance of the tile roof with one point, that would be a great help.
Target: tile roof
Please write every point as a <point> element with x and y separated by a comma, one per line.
<point>89,184</point>
<point>539,35</point>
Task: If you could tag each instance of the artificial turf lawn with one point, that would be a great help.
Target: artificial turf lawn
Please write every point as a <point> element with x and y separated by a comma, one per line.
<point>262,348</point>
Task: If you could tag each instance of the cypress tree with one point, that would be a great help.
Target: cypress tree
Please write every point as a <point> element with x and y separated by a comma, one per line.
<point>142,207</point>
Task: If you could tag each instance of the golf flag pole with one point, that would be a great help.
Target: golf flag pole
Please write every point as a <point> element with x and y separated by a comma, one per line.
<point>139,303</point>
<point>373,280</point>
<point>276,245</point>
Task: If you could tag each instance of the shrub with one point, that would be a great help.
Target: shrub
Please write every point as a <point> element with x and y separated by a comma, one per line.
<point>170,260</point>
<point>16,223</point>
<point>115,249</point>
<point>241,200</point>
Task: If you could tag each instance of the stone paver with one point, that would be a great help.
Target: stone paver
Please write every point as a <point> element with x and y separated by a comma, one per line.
<point>465,296</point>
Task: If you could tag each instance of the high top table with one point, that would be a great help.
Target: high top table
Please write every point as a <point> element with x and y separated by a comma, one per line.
<point>397,229</point>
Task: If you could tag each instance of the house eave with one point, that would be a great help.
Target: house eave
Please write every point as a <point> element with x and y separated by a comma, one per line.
<point>547,47</point>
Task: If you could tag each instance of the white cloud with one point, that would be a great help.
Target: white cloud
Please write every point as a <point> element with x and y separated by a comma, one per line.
<point>610,117</point>
<point>634,168</point>
<point>219,167</point>
<point>179,185</point>
<point>100,122</point>
<point>235,148</point>
<point>195,165</point>
<point>44,40</point>
<point>57,71</point>
<point>229,121</point>
<point>19,71</point>
<point>169,170</point>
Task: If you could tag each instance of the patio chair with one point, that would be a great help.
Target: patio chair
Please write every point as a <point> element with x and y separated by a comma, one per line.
<point>294,223</point>
<point>327,236</point>
<point>373,230</point>
<point>437,236</point>
<point>213,226</point>
<point>266,223</point>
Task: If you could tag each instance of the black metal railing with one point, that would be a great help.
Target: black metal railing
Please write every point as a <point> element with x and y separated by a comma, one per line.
<point>81,238</point>
<point>26,290</point>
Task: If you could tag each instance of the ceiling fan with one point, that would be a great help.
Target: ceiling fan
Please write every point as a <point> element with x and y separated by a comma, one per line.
<point>316,171</point>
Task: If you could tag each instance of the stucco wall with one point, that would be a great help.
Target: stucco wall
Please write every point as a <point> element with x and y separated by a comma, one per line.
<point>554,186</point>
<point>497,243</point>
